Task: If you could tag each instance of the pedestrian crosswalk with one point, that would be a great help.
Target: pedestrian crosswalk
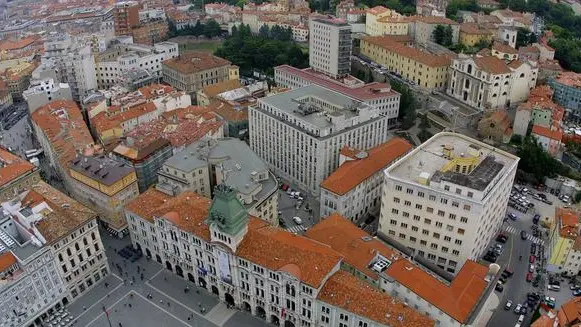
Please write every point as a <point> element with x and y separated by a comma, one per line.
<point>296,229</point>
<point>530,237</point>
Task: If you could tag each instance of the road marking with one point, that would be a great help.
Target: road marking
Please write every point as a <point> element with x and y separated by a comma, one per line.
<point>98,301</point>
<point>155,275</point>
<point>115,275</point>
<point>110,307</point>
<point>510,252</point>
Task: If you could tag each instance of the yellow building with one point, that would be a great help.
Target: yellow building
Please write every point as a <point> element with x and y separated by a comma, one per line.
<point>472,33</point>
<point>391,25</point>
<point>375,27</point>
<point>105,185</point>
<point>563,238</point>
<point>425,69</point>
<point>18,78</point>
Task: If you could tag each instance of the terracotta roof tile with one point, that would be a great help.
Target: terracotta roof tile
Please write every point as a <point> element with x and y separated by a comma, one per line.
<point>567,221</point>
<point>13,167</point>
<point>552,133</point>
<point>570,313</point>
<point>504,48</point>
<point>475,29</point>
<point>492,65</point>
<point>195,61</point>
<point>154,90</point>
<point>63,124</point>
<point>351,294</point>
<point>354,172</point>
<point>7,259</point>
<point>215,89</point>
<point>226,111</point>
<point>66,216</point>
<point>354,244</point>
<point>436,20</point>
<point>8,45</point>
<point>570,79</point>
<point>457,300</point>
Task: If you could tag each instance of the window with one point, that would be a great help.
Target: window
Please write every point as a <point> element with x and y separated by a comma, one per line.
<point>455,252</point>
<point>444,249</point>
<point>405,214</point>
<point>394,211</point>
<point>447,238</point>
<point>446,188</point>
<point>393,222</point>
<point>404,225</point>
<point>418,206</point>
<point>407,203</point>
<point>434,246</point>
<point>436,235</point>
<point>452,216</point>
<point>398,188</point>
<point>396,200</point>
<point>464,219</point>
<point>458,191</point>
<point>412,239</point>
<point>421,194</point>
<point>425,232</point>
<point>470,194</point>
<point>414,228</point>
<point>458,242</point>
<point>432,198</point>
<point>427,221</point>
<point>402,235</point>
<point>430,210</point>
<point>444,201</point>
<point>455,204</point>
<point>441,213</point>
<point>416,218</point>
<point>460,231</point>
<point>467,207</point>
<point>410,191</point>
<point>438,224</point>
<point>423,243</point>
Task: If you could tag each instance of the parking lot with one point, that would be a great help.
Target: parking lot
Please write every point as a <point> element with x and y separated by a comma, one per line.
<point>516,255</point>
<point>304,206</point>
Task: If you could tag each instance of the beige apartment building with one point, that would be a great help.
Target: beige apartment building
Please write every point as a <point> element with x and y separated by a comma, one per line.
<point>192,71</point>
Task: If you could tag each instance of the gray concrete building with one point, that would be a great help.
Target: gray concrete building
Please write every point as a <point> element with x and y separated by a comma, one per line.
<point>43,91</point>
<point>209,162</point>
<point>330,46</point>
<point>299,133</point>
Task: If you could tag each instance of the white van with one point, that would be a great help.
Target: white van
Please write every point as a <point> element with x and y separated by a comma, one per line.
<point>554,288</point>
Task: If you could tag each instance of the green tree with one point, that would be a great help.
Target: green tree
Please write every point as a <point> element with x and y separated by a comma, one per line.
<point>524,37</point>
<point>455,5</point>
<point>264,31</point>
<point>407,105</point>
<point>438,34</point>
<point>448,35</point>
<point>212,28</point>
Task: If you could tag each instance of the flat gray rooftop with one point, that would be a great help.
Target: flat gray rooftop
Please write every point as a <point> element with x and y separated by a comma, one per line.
<point>289,102</point>
<point>103,169</point>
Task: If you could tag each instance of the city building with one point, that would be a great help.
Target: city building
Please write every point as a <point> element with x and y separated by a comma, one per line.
<point>391,25</point>
<point>104,185</point>
<point>378,95</point>
<point>515,18</point>
<point>301,140</point>
<point>473,33</point>
<point>62,133</point>
<point>539,109</point>
<point>373,26</point>
<point>503,51</point>
<point>495,127</point>
<point>343,8</point>
<point>146,159</point>
<point>43,91</point>
<point>565,242</point>
<point>423,28</point>
<point>180,127</point>
<point>486,82</point>
<point>354,189</point>
<point>208,93</point>
<point>330,46</point>
<point>121,58</point>
<point>234,116</point>
<point>423,68</point>
<point>150,32</point>
<point>567,91</point>
<point>40,219</point>
<point>17,78</point>
<point>259,268</point>
<point>446,199</point>
<point>209,162</point>
<point>453,303</point>
<point>432,8</point>
<point>71,62</point>
<point>125,16</point>
<point>192,71</point>
<point>16,175</point>
<point>549,138</point>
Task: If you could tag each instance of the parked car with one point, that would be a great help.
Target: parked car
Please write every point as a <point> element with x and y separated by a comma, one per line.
<point>512,216</point>
<point>501,238</point>
<point>529,277</point>
<point>523,310</point>
<point>508,271</point>
<point>521,318</point>
<point>508,305</point>
<point>574,287</point>
<point>577,292</point>
<point>533,248</point>
<point>536,219</point>
<point>517,308</point>
<point>531,268</point>
<point>554,288</point>
<point>298,220</point>
<point>532,259</point>
<point>499,287</point>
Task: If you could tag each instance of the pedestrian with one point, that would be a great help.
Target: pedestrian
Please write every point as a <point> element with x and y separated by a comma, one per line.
<point>84,308</point>
<point>106,284</point>
<point>129,305</point>
<point>142,277</point>
<point>160,301</point>
<point>131,283</point>
<point>168,303</point>
<point>120,325</point>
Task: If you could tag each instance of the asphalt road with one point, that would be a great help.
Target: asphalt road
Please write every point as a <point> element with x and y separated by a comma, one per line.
<point>287,207</point>
<point>517,287</point>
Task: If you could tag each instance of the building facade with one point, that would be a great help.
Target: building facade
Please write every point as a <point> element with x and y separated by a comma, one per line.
<point>447,199</point>
<point>193,71</point>
<point>300,140</point>
<point>43,91</point>
<point>256,267</point>
<point>330,46</point>
<point>567,91</point>
<point>125,16</point>
<point>565,242</point>
<point>105,185</point>
<point>205,166</point>
<point>354,189</point>
<point>16,175</point>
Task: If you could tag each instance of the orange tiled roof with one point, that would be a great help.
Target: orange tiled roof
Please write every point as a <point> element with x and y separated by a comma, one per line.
<point>266,245</point>
<point>387,43</point>
<point>349,293</point>
<point>7,259</point>
<point>8,45</point>
<point>344,237</point>
<point>503,48</point>
<point>570,79</point>
<point>354,172</point>
<point>436,20</point>
<point>377,10</point>
<point>195,61</point>
<point>554,134</point>
<point>154,90</point>
<point>215,89</point>
<point>474,29</point>
<point>492,65</point>
<point>567,220</point>
<point>457,300</point>
<point>13,167</point>
<point>63,124</point>
<point>570,313</point>
<point>226,110</point>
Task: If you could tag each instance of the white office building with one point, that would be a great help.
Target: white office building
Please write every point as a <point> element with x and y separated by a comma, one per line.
<point>330,46</point>
<point>51,252</point>
<point>447,198</point>
<point>116,62</point>
<point>44,91</point>
<point>300,133</point>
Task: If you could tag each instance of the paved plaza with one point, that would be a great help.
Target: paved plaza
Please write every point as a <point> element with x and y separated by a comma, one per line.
<point>160,299</point>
